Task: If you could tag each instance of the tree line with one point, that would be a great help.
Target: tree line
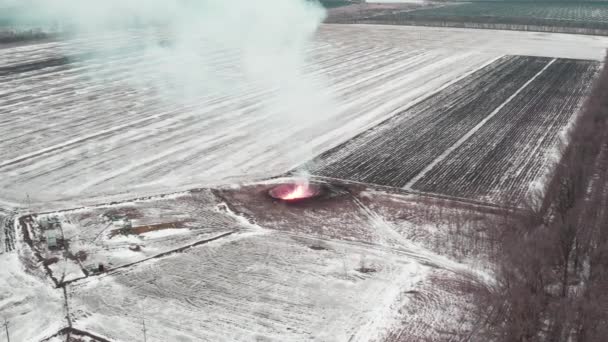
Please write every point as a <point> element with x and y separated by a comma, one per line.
<point>552,263</point>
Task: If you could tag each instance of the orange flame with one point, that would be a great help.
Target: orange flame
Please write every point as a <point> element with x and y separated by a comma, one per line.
<point>299,191</point>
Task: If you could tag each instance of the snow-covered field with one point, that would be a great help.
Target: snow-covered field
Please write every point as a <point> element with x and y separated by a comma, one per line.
<point>84,131</point>
<point>360,265</point>
<point>355,264</point>
<point>487,137</point>
<point>28,301</point>
<point>170,224</point>
<point>267,287</point>
<point>347,267</point>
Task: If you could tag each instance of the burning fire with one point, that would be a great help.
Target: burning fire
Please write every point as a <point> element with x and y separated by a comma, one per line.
<point>299,191</point>
<point>294,191</point>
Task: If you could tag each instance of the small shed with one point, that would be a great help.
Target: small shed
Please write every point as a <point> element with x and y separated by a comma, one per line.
<point>51,239</point>
<point>50,223</point>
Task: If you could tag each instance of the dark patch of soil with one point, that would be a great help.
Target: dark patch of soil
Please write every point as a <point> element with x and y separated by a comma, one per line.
<point>149,228</point>
<point>366,270</point>
<point>126,212</point>
<point>50,261</point>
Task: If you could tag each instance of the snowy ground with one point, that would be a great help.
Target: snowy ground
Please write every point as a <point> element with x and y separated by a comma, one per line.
<point>364,265</point>
<point>69,135</point>
<point>171,223</point>
<point>268,287</point>
<point>353,265</point>
<point>34,309</point>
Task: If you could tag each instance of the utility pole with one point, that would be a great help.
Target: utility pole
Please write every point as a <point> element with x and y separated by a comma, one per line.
<point>6,322</point>
<point>143,322</point>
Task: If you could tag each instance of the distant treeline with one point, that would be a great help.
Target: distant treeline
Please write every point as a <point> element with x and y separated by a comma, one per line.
<point>544,27</point>
<point>488,22</point>
<point>11,36</point>
<point>561,17</point>
<point>334,3</point>
<point>552,266</point>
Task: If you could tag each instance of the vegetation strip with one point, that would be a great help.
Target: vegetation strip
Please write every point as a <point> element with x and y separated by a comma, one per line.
<point>578,18</point>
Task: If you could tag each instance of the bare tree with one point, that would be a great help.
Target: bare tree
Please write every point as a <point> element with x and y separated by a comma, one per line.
<point>552,261</point>
<point>6,323</point>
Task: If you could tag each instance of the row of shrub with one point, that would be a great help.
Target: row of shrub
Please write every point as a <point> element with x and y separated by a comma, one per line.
<point>485,26</point>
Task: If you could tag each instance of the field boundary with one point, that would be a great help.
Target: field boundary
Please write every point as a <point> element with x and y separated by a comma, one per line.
<point>25,228</point>
<point>479,25</point>
<point>157,256</point>
<point>474,130</point>
<point>493,207</point>
<point>394,113</point>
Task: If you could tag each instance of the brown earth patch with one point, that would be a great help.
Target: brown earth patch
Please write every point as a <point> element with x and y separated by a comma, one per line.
<point>148,228</point>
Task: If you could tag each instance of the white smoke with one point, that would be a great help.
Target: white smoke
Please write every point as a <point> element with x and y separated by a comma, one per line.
<point>264,39</point>
<point>191,49</point>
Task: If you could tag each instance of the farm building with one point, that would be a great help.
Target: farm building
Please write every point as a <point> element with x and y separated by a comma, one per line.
<point>49,223</point>
<point>51,239</point>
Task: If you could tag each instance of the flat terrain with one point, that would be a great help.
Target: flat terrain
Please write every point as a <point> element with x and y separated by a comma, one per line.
<point>571,17</point>
<point>586,14</point>
<point>487,137</point>
<point>458,113</point>
<point>268,287</point>
<point>352,265</point>
<point>78,128</point>
<point>511,153</point>
<point>99,236</point>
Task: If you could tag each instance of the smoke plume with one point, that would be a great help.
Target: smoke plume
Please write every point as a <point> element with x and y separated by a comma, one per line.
<point>185,50</point>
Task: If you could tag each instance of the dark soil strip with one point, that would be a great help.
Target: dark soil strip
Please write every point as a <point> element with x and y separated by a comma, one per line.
<point>48,63</point>
<point>149,228</point>
<point>510,151</point>
<point>396,150</point>
<point>65,60</point>
<point>12,41</point>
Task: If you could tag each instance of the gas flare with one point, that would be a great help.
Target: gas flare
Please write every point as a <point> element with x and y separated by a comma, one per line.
<point>294,191</point>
